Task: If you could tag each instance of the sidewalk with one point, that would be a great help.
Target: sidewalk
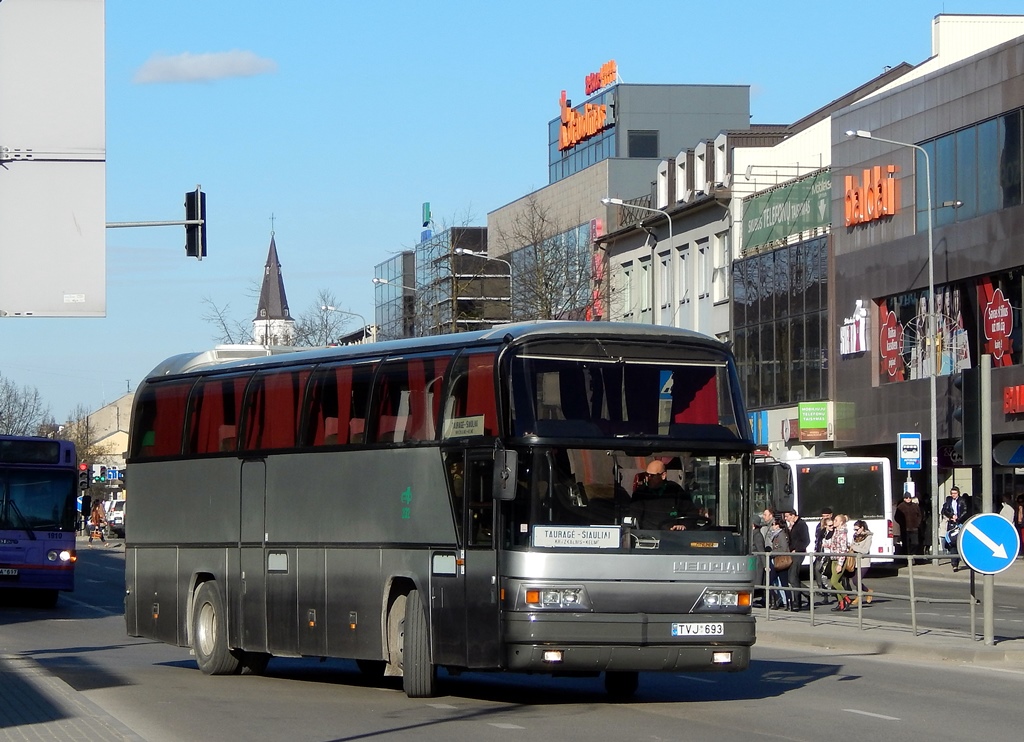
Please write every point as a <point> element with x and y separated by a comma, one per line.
<point>839,632</point>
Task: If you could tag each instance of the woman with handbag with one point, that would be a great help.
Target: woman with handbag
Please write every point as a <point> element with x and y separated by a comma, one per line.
<point>838,546</point>
<point>777,540</point>
<point>861,545</point>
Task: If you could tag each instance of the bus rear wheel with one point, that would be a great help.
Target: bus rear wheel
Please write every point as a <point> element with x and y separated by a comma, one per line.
<point>621,685</point>
<point>419,674</point>
<point>209,633</point>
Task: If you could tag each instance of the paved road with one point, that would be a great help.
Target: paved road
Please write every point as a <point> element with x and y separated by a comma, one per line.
<point>90,681</point>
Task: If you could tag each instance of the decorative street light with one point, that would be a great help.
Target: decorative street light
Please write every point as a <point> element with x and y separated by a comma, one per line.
<point>929,328</point>
<point>386,282</point>
<point>619,202</point>
<point>329,308</point>
<point>485,256</point>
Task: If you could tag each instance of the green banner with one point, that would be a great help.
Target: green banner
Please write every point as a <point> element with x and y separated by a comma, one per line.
<point>797,206</point>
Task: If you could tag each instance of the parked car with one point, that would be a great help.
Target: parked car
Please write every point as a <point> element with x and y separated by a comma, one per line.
<point>115,518</point>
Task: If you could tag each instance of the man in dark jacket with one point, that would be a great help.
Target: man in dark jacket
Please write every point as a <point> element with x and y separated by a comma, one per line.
<point>799,540</point>
<point>955,510</point>
<point>909,517</point>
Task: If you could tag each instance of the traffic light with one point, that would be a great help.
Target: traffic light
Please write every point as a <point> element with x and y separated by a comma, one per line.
<point>84,478</point>
<point>195,234</point>
<point>968,413</point>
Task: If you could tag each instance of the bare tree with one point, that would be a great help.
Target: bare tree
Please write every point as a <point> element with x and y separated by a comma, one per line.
<point>552,263</point>
<point>323,322</point>
<point>22,411</point>
<point>80,431</point>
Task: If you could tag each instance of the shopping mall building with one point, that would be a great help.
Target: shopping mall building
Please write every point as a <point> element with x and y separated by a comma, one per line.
<point>808,249</point>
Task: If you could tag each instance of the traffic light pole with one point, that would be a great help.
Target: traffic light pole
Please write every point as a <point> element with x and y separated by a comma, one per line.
<point>196,204</point>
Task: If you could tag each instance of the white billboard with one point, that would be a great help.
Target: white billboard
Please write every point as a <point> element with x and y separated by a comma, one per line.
<point>52,159</point>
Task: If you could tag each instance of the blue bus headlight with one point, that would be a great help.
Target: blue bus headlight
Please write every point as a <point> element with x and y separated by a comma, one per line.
<point>60,555</point>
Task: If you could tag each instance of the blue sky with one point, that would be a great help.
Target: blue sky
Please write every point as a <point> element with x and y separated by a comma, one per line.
<point>340,119</point>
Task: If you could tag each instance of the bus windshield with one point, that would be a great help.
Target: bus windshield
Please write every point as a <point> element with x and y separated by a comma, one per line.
<point>601,499</point>
<point>602,390</point>
<point>38,500</point>
<point>853,488</point>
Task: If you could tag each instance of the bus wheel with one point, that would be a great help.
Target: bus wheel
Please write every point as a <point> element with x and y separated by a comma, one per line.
<point>621,685</point>
<point>419,675</point>
<point>209,634</point>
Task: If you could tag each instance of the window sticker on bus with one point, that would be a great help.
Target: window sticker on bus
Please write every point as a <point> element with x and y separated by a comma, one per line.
<point>457,427</point>
<point>586,537</point>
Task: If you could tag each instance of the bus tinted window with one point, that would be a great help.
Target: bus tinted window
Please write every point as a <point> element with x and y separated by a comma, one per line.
<point>470,408</point>
<point>337,402</point>
<point>408,398</point>
<point>273,404</point>
<point>603,397</point>
<point>214,416</point>
<point>159,419</point>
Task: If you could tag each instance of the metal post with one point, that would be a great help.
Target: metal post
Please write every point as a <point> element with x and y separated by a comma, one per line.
<point>988,582</point>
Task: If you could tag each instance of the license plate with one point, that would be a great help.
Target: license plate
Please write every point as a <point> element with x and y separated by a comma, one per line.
<point>8,572</point>
<point>698,629</point>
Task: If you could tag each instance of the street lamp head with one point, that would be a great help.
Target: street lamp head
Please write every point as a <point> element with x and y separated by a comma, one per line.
<point>858,134</point>
<point>464,251</point>
<point>607,200</point>
<point>326,308</point>
<point>379,281</point>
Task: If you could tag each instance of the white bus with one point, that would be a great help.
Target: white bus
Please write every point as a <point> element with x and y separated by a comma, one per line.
<point>857,486</point>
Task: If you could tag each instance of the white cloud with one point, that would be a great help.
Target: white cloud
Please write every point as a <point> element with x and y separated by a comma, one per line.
<point>188,67</point>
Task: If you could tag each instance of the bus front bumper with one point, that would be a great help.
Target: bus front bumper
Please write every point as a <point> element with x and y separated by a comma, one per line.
<point>583,642</point>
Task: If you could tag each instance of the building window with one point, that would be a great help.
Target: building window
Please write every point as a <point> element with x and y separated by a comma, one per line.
<point>684,276</point>
<point>626,290</point>
<point>643,143</point>
<point>703,269</point>
<point>720,276</point>
<point>645,286</point>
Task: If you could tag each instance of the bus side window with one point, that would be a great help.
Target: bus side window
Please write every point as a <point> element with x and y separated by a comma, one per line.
<point>273,404</point>
<point>160,419</point>
<point>471,408</point>
<point>480,502</point>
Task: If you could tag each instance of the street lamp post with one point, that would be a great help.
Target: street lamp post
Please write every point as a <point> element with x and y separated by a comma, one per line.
<point>930,328</point>
<point>485,256</point>
<point>619,202</point>
<point>329,308</point>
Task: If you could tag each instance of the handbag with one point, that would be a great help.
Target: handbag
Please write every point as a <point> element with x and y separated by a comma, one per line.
<point>850,564</point>
<point>783,561</point>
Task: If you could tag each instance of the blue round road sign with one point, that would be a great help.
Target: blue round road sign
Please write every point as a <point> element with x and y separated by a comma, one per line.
<point>988,543</point>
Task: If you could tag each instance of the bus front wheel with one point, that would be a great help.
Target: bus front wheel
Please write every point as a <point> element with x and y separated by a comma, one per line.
<point>209,634</point>
<point>419,674</point>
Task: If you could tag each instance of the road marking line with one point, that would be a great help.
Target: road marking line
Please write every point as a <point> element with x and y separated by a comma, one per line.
<point>505,726</point>
<point>876,716</point>
<point>696,680</point>
<point>441,705</point>
<point>89,606</point>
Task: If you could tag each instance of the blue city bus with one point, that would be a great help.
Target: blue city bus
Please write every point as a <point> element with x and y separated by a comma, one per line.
<point>38,514</point>
<point>461,502</point>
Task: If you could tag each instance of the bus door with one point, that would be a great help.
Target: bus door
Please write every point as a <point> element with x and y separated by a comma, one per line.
<point>470,595</point>
<point>252,541</point>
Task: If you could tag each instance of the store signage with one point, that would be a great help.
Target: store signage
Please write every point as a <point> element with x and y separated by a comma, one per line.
<point>891,344</point>
<point>1013,399</point>
<point>578,126</point>
<point>853,336</point>
<point>798,206</point>
<point>814,421</point>
<point>873,197</point>
<point>998,320</point>
<point>604,77</point>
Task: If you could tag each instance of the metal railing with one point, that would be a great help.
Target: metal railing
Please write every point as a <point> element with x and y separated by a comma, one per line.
<point>815,589</point>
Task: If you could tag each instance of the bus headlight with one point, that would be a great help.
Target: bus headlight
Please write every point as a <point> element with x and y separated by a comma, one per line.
<point>724,599</point>
<point>60,555</point>
<point>572,597</point>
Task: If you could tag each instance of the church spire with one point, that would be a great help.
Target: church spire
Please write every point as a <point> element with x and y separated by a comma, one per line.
<point>273,324</point>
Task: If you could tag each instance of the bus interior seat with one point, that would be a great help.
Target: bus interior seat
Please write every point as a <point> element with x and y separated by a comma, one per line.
<point>227,435</point>
<point>357,430</point>
<point>330,431</point>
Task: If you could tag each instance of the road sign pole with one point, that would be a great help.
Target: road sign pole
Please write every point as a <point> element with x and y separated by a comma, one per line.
<point>988,581</point>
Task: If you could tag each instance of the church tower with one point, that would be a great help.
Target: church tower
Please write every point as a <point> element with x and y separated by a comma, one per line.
<point>273,324</point>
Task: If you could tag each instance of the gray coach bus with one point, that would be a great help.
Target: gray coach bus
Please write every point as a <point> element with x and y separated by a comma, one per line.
<point>462,502</point>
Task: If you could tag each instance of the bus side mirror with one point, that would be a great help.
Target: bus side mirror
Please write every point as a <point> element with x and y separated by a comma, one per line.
<point>506,464</point>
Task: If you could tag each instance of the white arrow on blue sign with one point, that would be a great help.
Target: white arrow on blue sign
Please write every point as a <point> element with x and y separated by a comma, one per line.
<point>988,543</point>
